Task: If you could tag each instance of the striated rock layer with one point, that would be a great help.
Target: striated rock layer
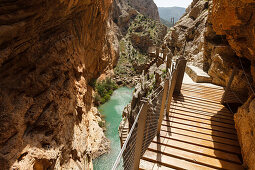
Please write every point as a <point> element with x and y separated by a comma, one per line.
<point>49,52</point>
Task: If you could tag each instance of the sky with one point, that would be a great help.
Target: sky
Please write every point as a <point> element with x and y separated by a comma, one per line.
<point>171,3</point>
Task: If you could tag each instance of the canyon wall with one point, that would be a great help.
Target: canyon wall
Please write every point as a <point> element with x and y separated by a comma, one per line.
<point>49,52</point>
<point>194,37</point>
<point>146,7</point>
<point>235,19</point>
<point>124,11</point>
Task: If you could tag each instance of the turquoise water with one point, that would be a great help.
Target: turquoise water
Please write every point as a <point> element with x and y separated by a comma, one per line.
<point>112,112</point>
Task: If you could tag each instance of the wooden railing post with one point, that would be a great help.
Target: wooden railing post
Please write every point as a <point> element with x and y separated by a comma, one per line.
<point>157,52</point>
<point>169,61</point>
<point>164,54</point>
<point>139,136</point>
<point>162,109</point>
<point>181,65</point>
<point>171,91</point>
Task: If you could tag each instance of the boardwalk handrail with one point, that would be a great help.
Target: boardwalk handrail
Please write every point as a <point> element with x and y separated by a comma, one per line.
<point>148,120</point>
<point>125,144</point>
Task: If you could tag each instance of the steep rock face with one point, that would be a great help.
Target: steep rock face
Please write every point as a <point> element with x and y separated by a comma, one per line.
<point>122,14</point>
<point>235,20</point>
<point>146,7</point>
<point>188,33</point>
<point>49,51</point>
<point>245,125</point>
<point>239,30</point>
<point>124,11</point>
<point>204,48</point>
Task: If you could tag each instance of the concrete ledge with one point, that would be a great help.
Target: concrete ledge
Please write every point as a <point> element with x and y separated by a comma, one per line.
<point>198,75</point>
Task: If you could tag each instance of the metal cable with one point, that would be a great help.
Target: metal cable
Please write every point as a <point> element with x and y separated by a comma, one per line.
<point>242,68</point>
<point>246,76</point>
<point>125,144</point>
<point>153,113</point>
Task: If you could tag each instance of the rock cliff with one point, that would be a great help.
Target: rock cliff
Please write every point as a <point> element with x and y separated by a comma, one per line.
<point>49,52</point>
<point>236,21</point>
<point>194,37</point>
<point>146,7</point>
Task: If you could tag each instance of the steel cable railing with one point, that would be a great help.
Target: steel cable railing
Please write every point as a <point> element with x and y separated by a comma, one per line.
<point>153,105</point>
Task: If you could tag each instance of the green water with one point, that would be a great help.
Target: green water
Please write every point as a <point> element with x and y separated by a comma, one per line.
<point>112,111</point>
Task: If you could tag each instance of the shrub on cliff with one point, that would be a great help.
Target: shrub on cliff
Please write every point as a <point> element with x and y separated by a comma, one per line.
<point>104,90</point>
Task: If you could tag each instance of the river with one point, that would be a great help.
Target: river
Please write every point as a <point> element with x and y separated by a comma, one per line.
<point>112,112</point>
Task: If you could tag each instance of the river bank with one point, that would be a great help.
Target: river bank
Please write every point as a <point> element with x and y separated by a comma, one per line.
<point>112,113</point>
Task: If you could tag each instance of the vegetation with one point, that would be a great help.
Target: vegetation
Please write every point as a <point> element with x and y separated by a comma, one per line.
<point>145,26</point>
<point>164,73</point>
<point>104,90</point>
<point>101,124</point>
<point>133,55</point>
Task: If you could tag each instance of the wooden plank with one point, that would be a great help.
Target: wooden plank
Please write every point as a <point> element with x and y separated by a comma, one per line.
<point>201,104</point>
<point>172,161</point>
<point>201,125</point>
<point>221,110</point>
<point>200,150</point>
<point>200,130</point>
<point>198,110</point>
<point>149,165</point>
<point>204,117</point>
<point>201,142</point>
<point>203,90</point>
<point>199,100</point>
<point>203,94</point>
<point>202,86</point>
<point>199,135</point>
<point>209,122</point>
<point>194,158</point>
<point>201,97</point>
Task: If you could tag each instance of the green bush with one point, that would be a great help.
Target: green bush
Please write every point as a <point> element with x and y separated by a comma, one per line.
<point>104,90</point>
<point>97,99</point>
<point>101,124</point>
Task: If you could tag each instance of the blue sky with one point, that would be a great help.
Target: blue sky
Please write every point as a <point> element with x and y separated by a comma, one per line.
<point>171,3</point>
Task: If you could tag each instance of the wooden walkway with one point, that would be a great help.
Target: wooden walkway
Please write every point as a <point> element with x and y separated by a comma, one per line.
<point>199,133</point>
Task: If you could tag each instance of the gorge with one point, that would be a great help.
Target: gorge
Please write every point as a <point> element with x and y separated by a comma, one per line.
<point>52,51</point>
